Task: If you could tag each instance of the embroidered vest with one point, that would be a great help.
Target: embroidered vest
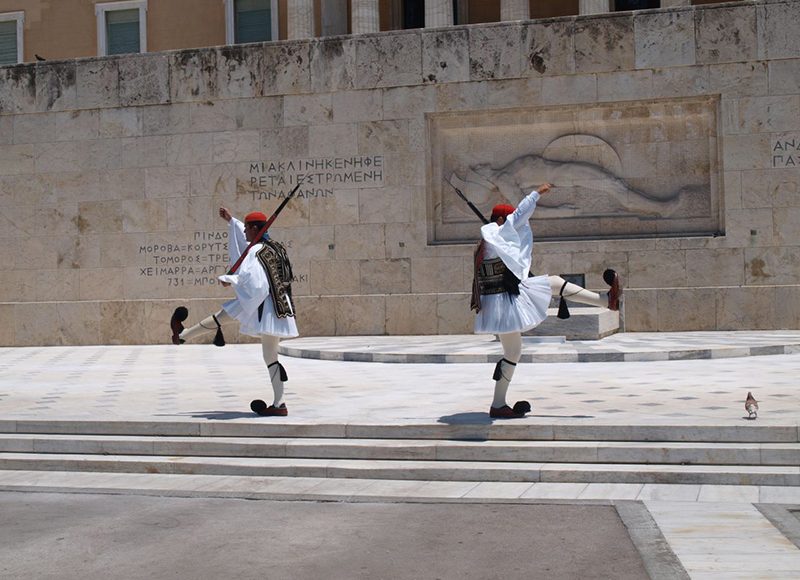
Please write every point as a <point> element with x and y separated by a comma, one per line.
<point>273,258</point>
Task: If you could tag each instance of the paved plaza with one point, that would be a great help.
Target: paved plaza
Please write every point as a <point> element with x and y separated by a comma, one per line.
<point>688,381</point>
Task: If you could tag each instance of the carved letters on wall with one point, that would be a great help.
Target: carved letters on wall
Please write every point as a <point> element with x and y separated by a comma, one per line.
<point>633,169</point>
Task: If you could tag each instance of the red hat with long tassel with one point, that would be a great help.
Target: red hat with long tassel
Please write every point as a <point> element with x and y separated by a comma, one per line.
<point>255,216</point>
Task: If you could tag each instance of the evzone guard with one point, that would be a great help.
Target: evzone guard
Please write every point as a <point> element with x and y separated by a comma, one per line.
<point>507,301</point>
<point>261,277</point>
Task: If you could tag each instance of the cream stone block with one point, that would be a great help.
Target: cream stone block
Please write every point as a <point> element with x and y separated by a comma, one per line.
<point>97,83</point>
<point>121,322</point>
<point>625,86</point>
<point>79,322</point>
<point>748,228</point>
<point>381,136</point>
<point>305,242</point>
<point>664,38</point>
<point>778,33</point>
<point>194,214</point>
<point>385,205</point>
<point>604,44</point>
<point>681,81</point>
<point>334,277</point>
<point>193,75</point>
<point>569,89</point>
<point>55,86</point>
<point>339,208</point>
<point>787,307</point>
<point>240,71</point>
<point>97,217</point>
<point>215,115</point>
<point>18,89</point>
<point>144,151</point>
<point>77,126</point>
<point>494,51</point>
<point>287,68</point>
<point>453,315</point>
<point>593,264</point>
<point>144,216</point>
<point>55,285</point>
<point>445,56</point>
<point>746,308</point>
<point>285,143</point>
<point>549,48</point>
<point>333,64</point>
<point>100,284</point>
<point>681,309</point>
<point>360,315</point>
<point>10,252</point>
<point>411,314</point>
<point>168,181</point>
<point>7,324</point>
<point>771,266</point>
<point>787,226</point>
<point>746,152</point>
<point>148,283</point>
<point>388,60</point>
<point>770,188</point>
<point>431,275</point>
<point>739,79</point>
<point>732,189</point>
<point>315,316</point>
<point>121,184</point>
<point>190,149</point>
<point>354,106</point>
<point>261,113</point>
<point>144,79</point>
<point>726,35</point>
<point>404,240</point>
<point>217,181</point>
<point>360,242</point>
<point>17,159</point>
<point>120,122</point>
<point>307,109</point>
<point>101,154</point>
<point>335,140</point>
<point>385,276</point>
<point>404,169</point>
<point>17,286</point>
<point>770,114</point>
<point>662,269</point>
<point>75,252</point>
<point>511,92</point>
<point>641,310</point>
<point>37,128</point>
<point>166,119</point>
<point>409,102</point>
<point>783,75</point>
<point>461,96</point>
<point>23,190</point>
<point>715,267</point>
<point>36,324</point>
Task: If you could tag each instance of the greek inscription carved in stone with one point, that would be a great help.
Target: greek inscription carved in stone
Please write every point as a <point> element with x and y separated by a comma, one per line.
<point>194,263</point>
<point>786,151</point>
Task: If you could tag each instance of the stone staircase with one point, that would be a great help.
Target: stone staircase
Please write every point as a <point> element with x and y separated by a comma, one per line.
<point>765,455</point>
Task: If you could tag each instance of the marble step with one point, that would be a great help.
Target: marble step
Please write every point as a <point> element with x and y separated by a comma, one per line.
<point>416,470</point>
<point>409,449</point>
<point>355,489</point>
<point>587,323</point>
<point>526,430</point>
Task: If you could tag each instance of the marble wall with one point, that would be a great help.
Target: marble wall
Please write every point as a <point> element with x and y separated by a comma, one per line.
<point>112,171</point>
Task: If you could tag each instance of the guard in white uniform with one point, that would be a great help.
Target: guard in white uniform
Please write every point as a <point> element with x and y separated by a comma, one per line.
<point>508,301</point>
<point>263,304</point>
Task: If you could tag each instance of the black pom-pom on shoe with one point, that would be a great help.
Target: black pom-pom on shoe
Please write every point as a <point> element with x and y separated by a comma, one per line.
<point>522,407</point>
<point>258,406</point>
<point>176,323</point>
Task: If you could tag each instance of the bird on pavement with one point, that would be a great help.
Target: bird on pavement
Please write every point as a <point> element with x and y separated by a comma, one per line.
<point>751,406</point>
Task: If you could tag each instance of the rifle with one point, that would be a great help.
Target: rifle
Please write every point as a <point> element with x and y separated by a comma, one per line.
<point>263,230</point>
<point>470,204</point>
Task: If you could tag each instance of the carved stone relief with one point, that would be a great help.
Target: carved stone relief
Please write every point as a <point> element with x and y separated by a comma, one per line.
<point>620,170</point>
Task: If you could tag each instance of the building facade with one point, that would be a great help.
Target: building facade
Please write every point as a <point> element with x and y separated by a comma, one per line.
<point>672,136</point>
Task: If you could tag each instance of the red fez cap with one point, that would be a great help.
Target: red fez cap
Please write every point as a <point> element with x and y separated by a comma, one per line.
<point>502,209</point>
<point>255,216</point>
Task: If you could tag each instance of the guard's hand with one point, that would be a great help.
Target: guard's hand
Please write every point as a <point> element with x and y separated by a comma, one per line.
<point>544,188</point>
<point>225,214</point>
<point>224,284</point>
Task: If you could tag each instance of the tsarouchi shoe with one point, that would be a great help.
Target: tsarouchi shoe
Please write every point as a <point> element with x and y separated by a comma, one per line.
<point>615,292</point>
<point>504,412</point>
<point>176,324</point>
<point>260,408</point>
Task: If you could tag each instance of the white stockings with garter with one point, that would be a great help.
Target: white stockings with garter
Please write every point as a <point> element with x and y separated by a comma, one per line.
<point>576,293</point>
<point>512,351</point>
<point>269,348</point>
<point>206,325</point>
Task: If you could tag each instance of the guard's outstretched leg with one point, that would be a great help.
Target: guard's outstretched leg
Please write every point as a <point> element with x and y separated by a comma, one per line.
<point>213,322</point>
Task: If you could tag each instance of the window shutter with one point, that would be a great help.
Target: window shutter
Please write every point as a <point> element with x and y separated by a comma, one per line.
<point>253,21</point>
<point>122,31</point>
<point>8,42</point>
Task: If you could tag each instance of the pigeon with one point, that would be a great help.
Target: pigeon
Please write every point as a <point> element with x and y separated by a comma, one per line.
<point>751,406</point>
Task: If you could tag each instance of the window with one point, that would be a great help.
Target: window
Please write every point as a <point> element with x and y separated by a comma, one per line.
<point>621,5</point>
<point>11,37</point>
<point>251,21</point>
<point>121,27</point>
